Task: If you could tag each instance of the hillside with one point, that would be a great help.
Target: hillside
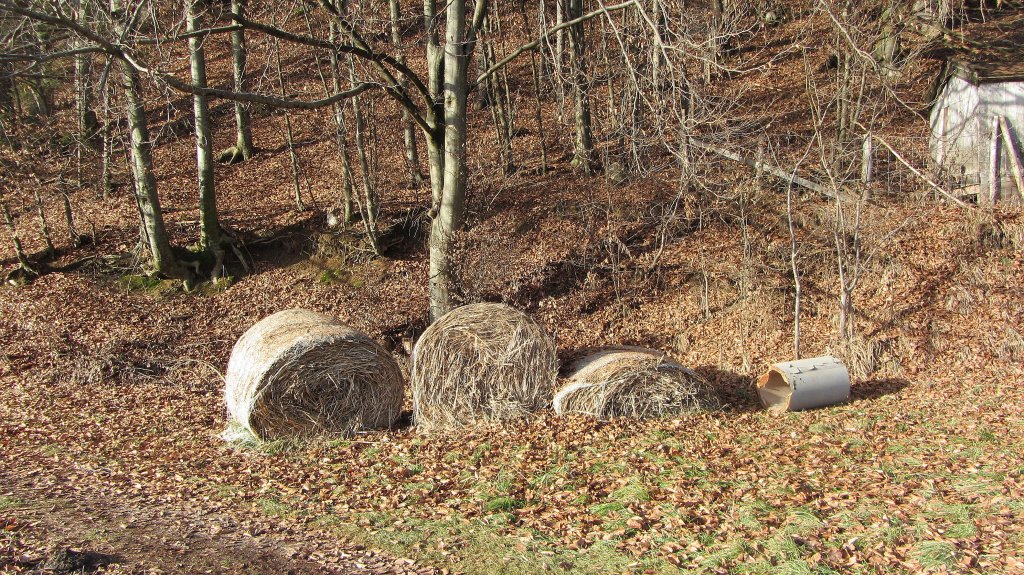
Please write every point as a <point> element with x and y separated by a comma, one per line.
<point>111,382</point>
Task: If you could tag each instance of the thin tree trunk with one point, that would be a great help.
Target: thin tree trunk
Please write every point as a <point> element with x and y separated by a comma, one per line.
<point>243,148</point>
<point>341,135</point>
<point>866,160</point>
<point>44,226</point>
<point>714,41</point>
<point>451,210</point>
<point>435,116</point>
<point>796,272</point>
<point>106,134</point>
<point>210,237</point>
<point>994,171</point>
<point>504,95</point>
<point>493,95</point>
<point>537,110</point>
<point>69,219</point>
<point>583,144</point>
<point>559,55</point>
<point>19,250</point>
<point>83,99</point>
<point>289,137</point>
<point>408,126</point>
<point>164,261</point>
<point>369,191</point>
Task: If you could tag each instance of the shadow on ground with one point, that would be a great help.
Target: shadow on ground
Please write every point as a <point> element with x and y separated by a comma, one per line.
<point>876,388</point>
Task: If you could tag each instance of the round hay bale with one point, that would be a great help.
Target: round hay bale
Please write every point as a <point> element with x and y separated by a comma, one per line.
<point>481,363</point>
<point>632,382</point>
<point>300,373</point>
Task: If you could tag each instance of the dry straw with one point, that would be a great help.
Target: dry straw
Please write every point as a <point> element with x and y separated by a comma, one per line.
<point>481,363</point>
<point>632,382</point>
<point>300,373</point>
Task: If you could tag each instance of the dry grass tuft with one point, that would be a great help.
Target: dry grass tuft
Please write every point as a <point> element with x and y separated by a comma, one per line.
<point>481,363</point>
<point>632,382</point>
<point>298,373</point>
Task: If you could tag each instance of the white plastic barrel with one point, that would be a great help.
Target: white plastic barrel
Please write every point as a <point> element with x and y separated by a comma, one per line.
<point>804,384</point>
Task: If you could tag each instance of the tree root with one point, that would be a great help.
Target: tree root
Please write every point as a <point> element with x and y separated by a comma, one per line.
<point>232,155</point>
<point>20,275</point>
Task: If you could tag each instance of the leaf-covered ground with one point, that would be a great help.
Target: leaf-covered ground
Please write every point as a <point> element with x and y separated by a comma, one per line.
<point>112,393</point>
<point>110,383</point>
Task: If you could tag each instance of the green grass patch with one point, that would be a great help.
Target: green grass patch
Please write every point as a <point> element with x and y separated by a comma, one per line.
<point>794,567</point>
<point>10,502</point>
<point>151,285</point>
<point>491,546</point>
<point>935,554</point>
<point>606,509</point>
<point>274,507</point>
<point>801,521</point>
<point>548,477</point>
<point>478,453</point>
<point>632,492</point>
<point>503,504</point>
<point>241,438</point>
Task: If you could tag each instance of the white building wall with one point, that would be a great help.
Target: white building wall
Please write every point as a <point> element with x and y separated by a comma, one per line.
<point>961,126</point>
<point>1005,99</point>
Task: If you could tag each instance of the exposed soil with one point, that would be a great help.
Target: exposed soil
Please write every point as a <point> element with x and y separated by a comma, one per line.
<point>70,527</point>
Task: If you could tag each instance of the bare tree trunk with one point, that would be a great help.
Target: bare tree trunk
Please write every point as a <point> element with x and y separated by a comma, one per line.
<point>106,136</point>
<point>583,143</point>
<point>164,261</point>
<point>537,110</point>
<point>559,55</point>
<point>714,39</point>
<point>369,190</point>
<point>289,136</point>
<point>69,219</point>
<point>44,226</point>
<point>243,148</point>
<point>408,126</point>
<point>494,95</point>
<point>210,237</point>
<point>341,135</point>
<point>435,84</point>
<point>796,272</point>
<point>994,171</point>
<point>451,210</point>
<point>19,250</point>
<point>83,98</point>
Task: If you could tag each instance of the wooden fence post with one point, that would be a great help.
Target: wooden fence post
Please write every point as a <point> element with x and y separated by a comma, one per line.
<point>866,160</point>
<point>993,172</point>
<point>1011,149</point>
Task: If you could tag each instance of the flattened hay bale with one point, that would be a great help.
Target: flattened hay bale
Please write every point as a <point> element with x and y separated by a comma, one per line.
<point>632,382</point>
<point>299,373</point>
<point>481,363</point>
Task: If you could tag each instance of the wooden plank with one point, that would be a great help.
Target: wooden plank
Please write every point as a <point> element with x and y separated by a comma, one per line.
<point>866,160</point>
<point>993,162</point>
<point>1015,160</point>
<point>788,177</point>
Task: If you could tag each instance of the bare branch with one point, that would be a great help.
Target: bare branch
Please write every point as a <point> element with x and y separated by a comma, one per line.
<point>531,45</point>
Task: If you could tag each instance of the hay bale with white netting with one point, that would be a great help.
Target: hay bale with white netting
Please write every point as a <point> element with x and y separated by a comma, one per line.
<point>299,373</point>
<point>632,382</point>
<point>481,363</point>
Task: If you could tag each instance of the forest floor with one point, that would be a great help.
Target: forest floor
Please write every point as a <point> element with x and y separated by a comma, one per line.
<point>111,410</point>
<point>111,383</point>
